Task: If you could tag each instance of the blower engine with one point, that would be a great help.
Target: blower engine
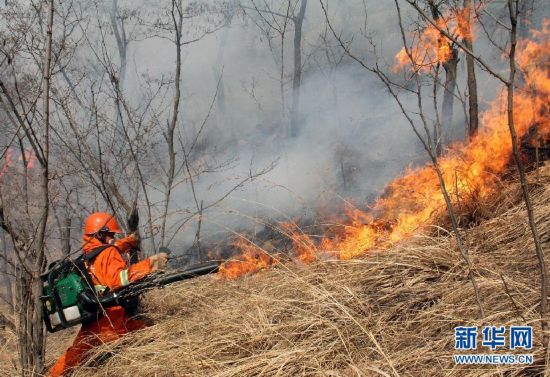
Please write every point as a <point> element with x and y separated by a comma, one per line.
<point>69,298</point>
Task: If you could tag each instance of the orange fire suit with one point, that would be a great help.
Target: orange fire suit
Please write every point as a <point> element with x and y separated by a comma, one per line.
<point>108,270</point>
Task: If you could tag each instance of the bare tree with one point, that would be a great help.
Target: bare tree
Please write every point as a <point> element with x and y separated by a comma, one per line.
<point>64,223</point>
<point>432,50</point>
<point>30,243</point>
<point>122,41</point>
<point>473,119</point>
<point>417,126</point>
<point>224,117</point>
<point>513,9</point>
<point>297,77</point>
<point>449,62</point>
<point>177,14</point>
<point>509,83</point>
<point>297,18</point>
<point>6,265</point>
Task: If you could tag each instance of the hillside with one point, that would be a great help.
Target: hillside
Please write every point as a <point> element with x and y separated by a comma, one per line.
<point>389,313</point>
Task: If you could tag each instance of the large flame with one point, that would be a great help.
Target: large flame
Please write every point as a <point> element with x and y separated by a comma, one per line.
<point>430,47</point>
<point>411,200</point>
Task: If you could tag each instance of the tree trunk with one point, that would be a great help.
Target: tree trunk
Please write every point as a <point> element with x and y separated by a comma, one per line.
<point>437,143</point>
<point>4,270</point>
<point>169,135</point>
<point>30,331</point>
<point>297,78</point>
<point>224,118</point>
<point>448,87</point>
<point>65,234</point>
<point>122,46</point>
<point>470,67</point>
<point>448,95</point>
<point>523,179</point>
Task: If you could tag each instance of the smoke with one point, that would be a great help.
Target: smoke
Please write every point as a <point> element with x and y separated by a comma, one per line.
<point>352,137</point>
<point>351,142</point>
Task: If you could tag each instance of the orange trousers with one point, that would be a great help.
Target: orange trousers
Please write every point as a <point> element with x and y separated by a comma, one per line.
<point>107,328</point>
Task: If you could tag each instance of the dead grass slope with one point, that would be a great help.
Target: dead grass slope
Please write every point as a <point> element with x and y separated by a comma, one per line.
<point>390,313</point>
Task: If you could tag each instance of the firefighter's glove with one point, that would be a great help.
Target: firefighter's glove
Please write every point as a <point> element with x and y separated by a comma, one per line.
<point>127,243</point>
<point>159,261</point>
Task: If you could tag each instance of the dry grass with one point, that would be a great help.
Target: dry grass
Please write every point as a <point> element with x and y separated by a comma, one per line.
<point>391,313</point>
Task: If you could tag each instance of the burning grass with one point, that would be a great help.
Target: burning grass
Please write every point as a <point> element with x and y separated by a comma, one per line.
<point>390,313</point>
<point>471,172</point>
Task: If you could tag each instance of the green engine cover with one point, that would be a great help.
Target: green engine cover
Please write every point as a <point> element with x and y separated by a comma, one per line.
<point>62,304</point>
<point>68,288</point>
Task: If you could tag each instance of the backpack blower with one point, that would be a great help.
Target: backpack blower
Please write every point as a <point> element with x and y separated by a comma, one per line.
<point>69,298</point>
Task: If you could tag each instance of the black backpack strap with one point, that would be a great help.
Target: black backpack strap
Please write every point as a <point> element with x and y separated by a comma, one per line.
<point>94,253</point>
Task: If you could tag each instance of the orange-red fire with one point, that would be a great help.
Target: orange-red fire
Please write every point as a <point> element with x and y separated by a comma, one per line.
<point>411,200</point>
<point>252,258</point>
<point>13,158</point>
<point>430,47</point>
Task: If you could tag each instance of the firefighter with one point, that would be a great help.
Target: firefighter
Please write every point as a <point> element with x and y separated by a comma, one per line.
<point>109,271</point>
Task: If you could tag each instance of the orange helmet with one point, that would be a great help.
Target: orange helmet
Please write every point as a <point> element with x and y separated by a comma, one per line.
<point>101,221</point>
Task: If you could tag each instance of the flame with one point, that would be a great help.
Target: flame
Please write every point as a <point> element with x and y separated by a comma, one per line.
<point>252,259</point>
<point>411,201</point>
<point>430,47</point>
<point>8,162</point>
<point>533,60</point>
<point>30,159</point>
<point>13,159</point>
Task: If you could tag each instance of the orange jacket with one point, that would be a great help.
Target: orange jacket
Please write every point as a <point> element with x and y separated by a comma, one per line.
<point>109,269</point>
